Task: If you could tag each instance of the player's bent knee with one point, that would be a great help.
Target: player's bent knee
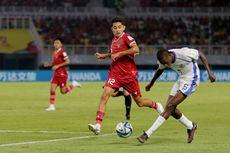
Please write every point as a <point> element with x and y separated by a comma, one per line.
<point>138,101</point>
<point>175,115</point>
<point>63,92</point>
<point>139,104</point>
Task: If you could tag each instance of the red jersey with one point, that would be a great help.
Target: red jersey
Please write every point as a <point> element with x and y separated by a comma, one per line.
<point>59,57</point>
<point>124,65</point>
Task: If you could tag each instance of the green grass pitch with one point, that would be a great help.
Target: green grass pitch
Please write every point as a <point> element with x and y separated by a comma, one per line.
<point>25,126</point>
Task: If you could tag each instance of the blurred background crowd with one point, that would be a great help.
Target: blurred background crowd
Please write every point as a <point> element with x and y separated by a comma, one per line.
<point>150,30</point>
<point>84,26</point>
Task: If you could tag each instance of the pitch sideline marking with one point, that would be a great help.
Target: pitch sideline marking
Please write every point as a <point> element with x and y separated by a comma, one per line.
<point>53,140</point>
<point>43,131</point>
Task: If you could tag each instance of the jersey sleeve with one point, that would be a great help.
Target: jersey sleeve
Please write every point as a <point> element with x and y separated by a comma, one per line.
<point>129,39</point>
<point>65,56</point>
<point>192,53</point>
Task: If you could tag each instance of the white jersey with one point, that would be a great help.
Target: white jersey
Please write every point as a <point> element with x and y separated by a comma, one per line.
<point>185,63</point>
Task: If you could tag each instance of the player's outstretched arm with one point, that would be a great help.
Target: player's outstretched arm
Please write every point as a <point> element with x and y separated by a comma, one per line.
<point>155,77</point>
<point>205,63</point>
<point>47,64</point>
<point>102,56</point>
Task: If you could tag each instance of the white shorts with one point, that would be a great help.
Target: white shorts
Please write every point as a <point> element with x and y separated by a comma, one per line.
<point>186,86</point>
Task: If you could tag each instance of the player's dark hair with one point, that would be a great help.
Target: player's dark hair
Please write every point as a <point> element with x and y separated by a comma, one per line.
<point>59,38</point>
<point>161,53</point>
<point>117,19</point>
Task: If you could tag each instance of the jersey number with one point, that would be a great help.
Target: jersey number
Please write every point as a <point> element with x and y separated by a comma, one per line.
<point>185,87</point>
<point>111,81</point>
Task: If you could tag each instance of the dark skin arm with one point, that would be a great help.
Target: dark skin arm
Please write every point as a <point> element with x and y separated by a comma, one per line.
<point>205,63</point>
<point>155,77</point>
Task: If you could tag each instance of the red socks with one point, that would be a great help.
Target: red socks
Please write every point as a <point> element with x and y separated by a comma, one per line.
<point>154,105</point>
<point>52,93</point>
<point>99,117</point>
<point>52,97</point>
<point>69,88</point>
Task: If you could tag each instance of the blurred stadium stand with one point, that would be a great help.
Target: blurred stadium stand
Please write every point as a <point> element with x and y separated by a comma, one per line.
<point>85,27</point>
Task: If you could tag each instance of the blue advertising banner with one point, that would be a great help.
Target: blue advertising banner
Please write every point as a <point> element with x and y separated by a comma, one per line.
<point>101,75</point>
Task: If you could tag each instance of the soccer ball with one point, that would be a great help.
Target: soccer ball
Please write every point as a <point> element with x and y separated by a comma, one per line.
<point>124,129</point>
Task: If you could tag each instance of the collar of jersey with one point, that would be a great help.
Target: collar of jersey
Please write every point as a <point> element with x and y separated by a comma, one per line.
<point>120,36</point>
<point>174,57</point>
<point>58,50</point>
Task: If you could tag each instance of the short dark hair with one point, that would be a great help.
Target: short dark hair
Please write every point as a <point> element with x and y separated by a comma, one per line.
<point>161,53</point>
<point>117,19</point>
<point>59,38</point>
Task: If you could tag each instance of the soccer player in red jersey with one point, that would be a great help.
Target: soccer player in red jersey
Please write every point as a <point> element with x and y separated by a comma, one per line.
<point>59,62</point>
<point>122,72</point>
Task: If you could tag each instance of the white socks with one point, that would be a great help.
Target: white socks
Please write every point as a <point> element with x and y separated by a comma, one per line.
<point>186,122</point>
<point>159,121</point>
<point>98,126</point>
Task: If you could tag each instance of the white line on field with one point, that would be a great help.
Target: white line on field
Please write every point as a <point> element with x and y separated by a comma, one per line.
<point>53,140</point>
<point>23,131</point>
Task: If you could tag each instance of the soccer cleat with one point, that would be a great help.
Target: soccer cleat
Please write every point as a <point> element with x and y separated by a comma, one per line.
<point>159,108</point>
<point>142,138</point>
<point>76,84</point>
<point>50,108</point>
<point>94,128</point>
<point>191,132</point>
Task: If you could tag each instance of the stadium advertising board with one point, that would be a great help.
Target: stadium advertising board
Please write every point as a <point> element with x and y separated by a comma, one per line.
<point>100,75</point>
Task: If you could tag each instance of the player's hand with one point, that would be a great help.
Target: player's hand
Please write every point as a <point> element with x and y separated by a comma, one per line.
<point>46,64</point>
<point>148,87</point>
<point>99,56</point>
<point>212,77</point>
<point>136,54</point>
<point>55,67</point>
<point>115,93</point>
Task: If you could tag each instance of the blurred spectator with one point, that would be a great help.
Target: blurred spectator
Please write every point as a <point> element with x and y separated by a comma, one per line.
<point>184,3</point>
<point>4,42</point>
<point>221,31</point>
<point>150,30</point>
<point>31,47</point>
<point>90,30</point>
<point>118,4</point>
<point>44,3</point>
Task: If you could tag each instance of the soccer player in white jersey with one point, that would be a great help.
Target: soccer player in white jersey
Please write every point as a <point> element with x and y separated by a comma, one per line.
<point>184,61</point>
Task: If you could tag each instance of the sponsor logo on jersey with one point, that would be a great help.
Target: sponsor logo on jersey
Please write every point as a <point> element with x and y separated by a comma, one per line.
<point>130,38</point>
<point>119,44</point>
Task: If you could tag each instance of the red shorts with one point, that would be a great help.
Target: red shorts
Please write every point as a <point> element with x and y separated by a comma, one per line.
<point>60,81</point>
<point>130,83</point>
